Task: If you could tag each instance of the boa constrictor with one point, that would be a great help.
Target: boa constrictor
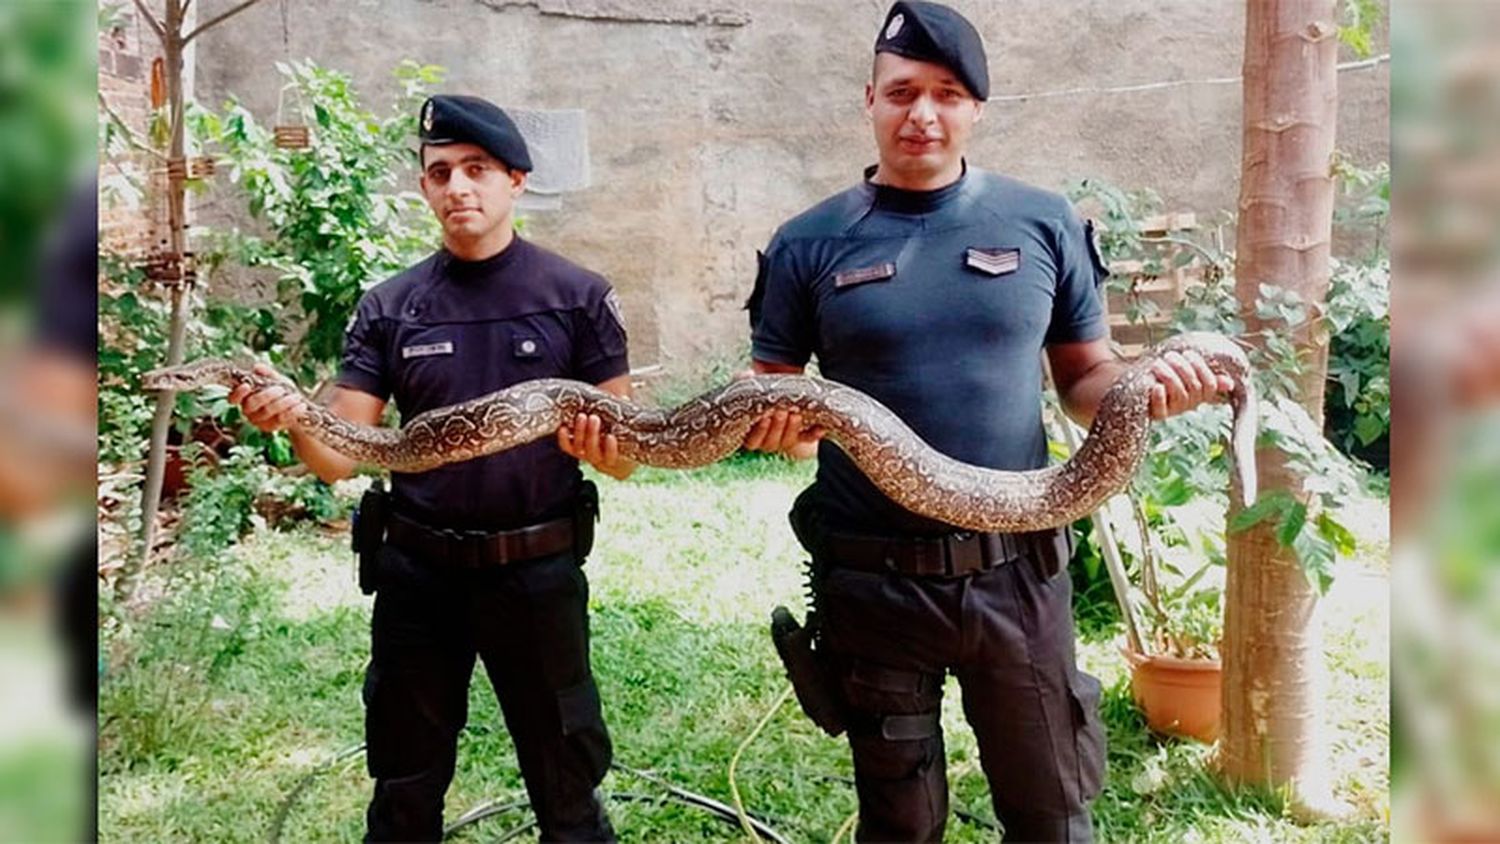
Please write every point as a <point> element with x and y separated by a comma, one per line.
<point>714,425</point>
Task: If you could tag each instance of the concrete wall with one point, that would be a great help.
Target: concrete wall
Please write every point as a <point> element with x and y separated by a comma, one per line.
<point>711,121</point>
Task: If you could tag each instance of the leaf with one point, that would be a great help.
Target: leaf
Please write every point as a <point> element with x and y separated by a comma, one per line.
<point>1369,428</point>
<point>1186,587</point>
<point>1174,493</point>
<point>1292,522</point>
<point>1316,556</point>
<point>1269,504</point>
<point>1335,532</point>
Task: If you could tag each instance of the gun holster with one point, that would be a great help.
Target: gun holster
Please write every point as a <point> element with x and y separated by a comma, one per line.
<point>367,532</point>
<point>806,669</point>
<point>585,514</point>
<point>807,524</point>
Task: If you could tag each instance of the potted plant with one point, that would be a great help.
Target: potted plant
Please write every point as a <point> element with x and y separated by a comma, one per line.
<point>1178,509</point>
<point>1178,682</point>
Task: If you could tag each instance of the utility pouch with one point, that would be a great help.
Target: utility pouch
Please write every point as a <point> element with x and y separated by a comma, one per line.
<point>804,667</point>
<point>367,532</point>
<point>585,514</point>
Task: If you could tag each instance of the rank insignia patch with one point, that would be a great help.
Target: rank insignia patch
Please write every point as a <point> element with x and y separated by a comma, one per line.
<point>993,261</point>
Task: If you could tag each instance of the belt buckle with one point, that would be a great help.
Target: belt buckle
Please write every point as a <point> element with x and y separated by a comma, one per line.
<point>962,555</point>
<point>464,548</point>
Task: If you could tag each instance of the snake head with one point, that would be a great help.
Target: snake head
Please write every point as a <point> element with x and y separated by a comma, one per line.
<point>166,378</point>
<point>187,376</point>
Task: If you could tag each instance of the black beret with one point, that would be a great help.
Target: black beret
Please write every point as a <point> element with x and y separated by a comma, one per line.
<point>931,32</point>
<point>458,119</point>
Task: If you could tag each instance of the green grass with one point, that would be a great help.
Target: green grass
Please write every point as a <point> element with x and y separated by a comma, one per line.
<point>234,688</point>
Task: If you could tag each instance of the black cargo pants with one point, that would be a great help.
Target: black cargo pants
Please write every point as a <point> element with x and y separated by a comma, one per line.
<point>1007,634</point>
<point>529,623</point>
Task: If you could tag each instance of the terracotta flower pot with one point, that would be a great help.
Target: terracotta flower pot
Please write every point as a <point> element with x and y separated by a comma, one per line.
<point>1180,697</point>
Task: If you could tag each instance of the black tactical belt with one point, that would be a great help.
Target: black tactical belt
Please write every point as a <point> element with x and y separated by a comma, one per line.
<point>475,549</point>
<point>955,555</point>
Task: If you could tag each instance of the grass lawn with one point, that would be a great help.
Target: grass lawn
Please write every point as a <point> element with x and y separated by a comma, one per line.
<point>235,688</point>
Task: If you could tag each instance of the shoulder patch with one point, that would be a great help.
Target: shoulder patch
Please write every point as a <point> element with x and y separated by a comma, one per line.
<point>1096,252</point>
<point>612,301</point>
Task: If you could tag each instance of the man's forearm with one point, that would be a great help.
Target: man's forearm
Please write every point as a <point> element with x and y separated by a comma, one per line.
<point>1081,401</point>
<point>327,464</point>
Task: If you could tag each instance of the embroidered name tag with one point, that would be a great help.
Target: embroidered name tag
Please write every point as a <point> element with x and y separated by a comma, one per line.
<point>993,261</point>
<point>849,278</point>
<point>427,350</point>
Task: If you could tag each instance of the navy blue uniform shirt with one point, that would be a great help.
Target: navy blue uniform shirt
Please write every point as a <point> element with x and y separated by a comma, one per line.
<point>938,304</point>
<point>447,330</point>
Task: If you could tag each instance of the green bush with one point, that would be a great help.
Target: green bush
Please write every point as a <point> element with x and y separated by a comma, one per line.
<point>336,221</point>
<point>338,218</point>
<point>1358,409</point>
<point>1356,313</point>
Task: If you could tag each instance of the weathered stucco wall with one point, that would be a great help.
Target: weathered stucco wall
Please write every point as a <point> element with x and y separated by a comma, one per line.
<point>711,121</point>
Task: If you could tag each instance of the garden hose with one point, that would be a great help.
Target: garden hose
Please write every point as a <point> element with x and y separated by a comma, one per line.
<point>489,810</point>
<point>754,828</point>
<point>285,809</point>
<point>734,761</point>
<point>735,815</point>
<point>845,827</point>
<point>708,804</point>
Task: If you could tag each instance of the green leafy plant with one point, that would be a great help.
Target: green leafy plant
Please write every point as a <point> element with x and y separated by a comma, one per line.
<point>1358,409</point>
<point>1181,565</point>
<point>334,223</point>
<point>221,502</point>
<point>1359,358</point>
<point>337,218</point>
<point>133,317</point>
<point>1181,559</point>
<point>1357,27</point>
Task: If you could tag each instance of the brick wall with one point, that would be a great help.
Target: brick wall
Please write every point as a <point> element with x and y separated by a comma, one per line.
<point>126,54</point>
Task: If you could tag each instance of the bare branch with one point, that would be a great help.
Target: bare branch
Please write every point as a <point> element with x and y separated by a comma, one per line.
<point>130,136</point>
<point>157,26</point>
<point>215,21</point>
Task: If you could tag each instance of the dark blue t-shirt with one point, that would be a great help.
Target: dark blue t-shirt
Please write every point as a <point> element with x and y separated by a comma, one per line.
<point>938,304</point>
<point>448,330</point>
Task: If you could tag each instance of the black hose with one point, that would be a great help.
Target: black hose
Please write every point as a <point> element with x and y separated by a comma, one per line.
<point>721,810</point>
<point>285,809</point>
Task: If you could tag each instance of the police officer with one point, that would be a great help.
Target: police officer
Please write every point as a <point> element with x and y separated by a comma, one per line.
<point>481,557</point>
<point>934,287</point>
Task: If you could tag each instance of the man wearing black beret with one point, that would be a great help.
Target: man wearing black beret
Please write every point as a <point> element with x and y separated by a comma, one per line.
<point>480,558</point>
<point>935,287</point>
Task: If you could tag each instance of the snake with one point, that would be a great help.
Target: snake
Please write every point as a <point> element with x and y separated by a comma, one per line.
<point>714,425</point>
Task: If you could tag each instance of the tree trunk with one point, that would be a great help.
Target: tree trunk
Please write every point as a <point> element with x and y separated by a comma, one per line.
<point>172,59</point>
<point>1272,648</point>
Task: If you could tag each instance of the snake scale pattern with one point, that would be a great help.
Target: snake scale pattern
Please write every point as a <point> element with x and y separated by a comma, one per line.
<point>714,425</point>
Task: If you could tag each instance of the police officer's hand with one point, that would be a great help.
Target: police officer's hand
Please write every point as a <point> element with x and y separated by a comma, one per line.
<point>784,431</point>
<point>272,408</point>
<point>1184,381</point>
<point>585,440</point>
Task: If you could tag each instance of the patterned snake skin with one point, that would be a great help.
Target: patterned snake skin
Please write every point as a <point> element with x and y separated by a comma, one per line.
<point>712,426</point>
